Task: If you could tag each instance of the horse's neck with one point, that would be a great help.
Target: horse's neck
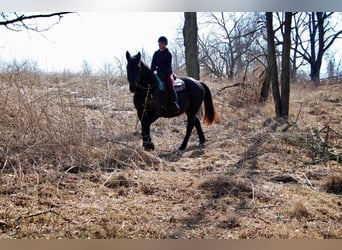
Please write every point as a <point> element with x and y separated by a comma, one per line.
<point>147,76</point>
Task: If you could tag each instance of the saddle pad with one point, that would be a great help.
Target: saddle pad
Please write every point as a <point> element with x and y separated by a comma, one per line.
<point>179,84</point>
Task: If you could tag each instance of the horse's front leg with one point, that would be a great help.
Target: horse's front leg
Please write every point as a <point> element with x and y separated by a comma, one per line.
<point>146,122</point>
<point>145,132</point>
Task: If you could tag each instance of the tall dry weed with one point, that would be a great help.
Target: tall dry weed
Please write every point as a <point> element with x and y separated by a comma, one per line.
<point>59,122</point>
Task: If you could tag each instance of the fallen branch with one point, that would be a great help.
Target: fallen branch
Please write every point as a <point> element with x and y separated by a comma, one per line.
<point>118,142</point>
<point>231,86</point>
<point>261,207</point>
<point>290,123</point>
<point>45,212</point>
<point>308,181</point>
<point>320,148</point>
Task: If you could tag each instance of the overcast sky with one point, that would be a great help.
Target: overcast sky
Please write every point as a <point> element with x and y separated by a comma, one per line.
<point>111,27</point>
<point>97,37</point>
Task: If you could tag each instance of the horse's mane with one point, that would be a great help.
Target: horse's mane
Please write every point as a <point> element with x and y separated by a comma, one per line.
<point>148,73</point>
<point>145,65</point>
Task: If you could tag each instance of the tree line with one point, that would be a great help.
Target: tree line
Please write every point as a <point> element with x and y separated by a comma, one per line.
<point>282,42</point>
<point>232,44</point>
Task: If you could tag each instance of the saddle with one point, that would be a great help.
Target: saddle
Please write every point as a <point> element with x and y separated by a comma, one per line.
<point>178,84</point>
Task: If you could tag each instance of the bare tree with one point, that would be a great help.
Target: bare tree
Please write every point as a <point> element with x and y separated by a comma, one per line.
<point>86,68</point>
<point>298,32</point>
<point>120,65</point>
<point>333,67</point>
<point>230,43</point>
<point>318,31</point>
<point>210,57</point>
<point>272,62</point>
<point>190,34</point>
<point>281,100</point>
<point>285,67</point>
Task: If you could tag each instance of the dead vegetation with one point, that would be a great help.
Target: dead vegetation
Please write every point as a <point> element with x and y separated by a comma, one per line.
<point>72,165</point>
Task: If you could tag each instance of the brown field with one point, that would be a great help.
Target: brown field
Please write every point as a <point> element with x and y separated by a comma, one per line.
<point>72,165</point>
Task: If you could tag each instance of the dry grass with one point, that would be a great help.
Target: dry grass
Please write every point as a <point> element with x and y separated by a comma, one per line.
<point>333,185</point>
<point>72,166</point>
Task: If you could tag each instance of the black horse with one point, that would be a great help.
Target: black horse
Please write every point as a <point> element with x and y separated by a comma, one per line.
<point>149,101</point>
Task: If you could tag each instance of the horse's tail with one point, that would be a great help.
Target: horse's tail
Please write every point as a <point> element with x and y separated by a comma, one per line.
<point>210,115</point>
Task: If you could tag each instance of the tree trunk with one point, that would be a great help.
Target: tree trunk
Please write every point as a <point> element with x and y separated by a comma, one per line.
<point>272,63</point>
<point>318,64</point>
<point>294,65</point>
<point>285,69</point>
<point>265,84</point>
<point>317,20</point>
<point>190,43</point>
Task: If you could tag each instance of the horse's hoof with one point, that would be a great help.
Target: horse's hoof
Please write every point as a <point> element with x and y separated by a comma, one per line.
<point>148,146</point>
<point>182,148</point>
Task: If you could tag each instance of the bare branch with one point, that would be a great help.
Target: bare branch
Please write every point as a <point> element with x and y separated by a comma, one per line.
<point>17,22</point>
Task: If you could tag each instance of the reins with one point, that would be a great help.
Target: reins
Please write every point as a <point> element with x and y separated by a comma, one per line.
<point>147,91</point>
<point>146,100</point>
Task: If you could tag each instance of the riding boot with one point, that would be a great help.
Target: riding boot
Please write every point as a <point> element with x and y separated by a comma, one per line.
<point>174,100</point>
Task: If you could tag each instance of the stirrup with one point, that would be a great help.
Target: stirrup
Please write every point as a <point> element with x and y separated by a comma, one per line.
<point>175,107</point>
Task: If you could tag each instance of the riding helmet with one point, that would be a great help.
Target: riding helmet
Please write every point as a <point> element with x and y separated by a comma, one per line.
<point>162,39</point>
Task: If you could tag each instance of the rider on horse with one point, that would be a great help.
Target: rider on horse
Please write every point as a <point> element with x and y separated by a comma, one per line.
<point>161,64</point>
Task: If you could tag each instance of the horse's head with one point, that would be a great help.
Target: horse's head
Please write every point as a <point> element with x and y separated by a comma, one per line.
<point>133,70</point>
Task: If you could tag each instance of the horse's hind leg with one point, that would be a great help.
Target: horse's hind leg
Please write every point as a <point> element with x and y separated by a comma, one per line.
<point>189,127</point>
<point>199,131</point>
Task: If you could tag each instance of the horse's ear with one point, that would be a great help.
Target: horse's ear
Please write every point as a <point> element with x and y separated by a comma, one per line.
<point>138,56</point>
<point>128,55</point>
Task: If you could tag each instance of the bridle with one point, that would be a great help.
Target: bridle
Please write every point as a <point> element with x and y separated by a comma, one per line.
<point>143,89</point>
<point>140,86</point>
